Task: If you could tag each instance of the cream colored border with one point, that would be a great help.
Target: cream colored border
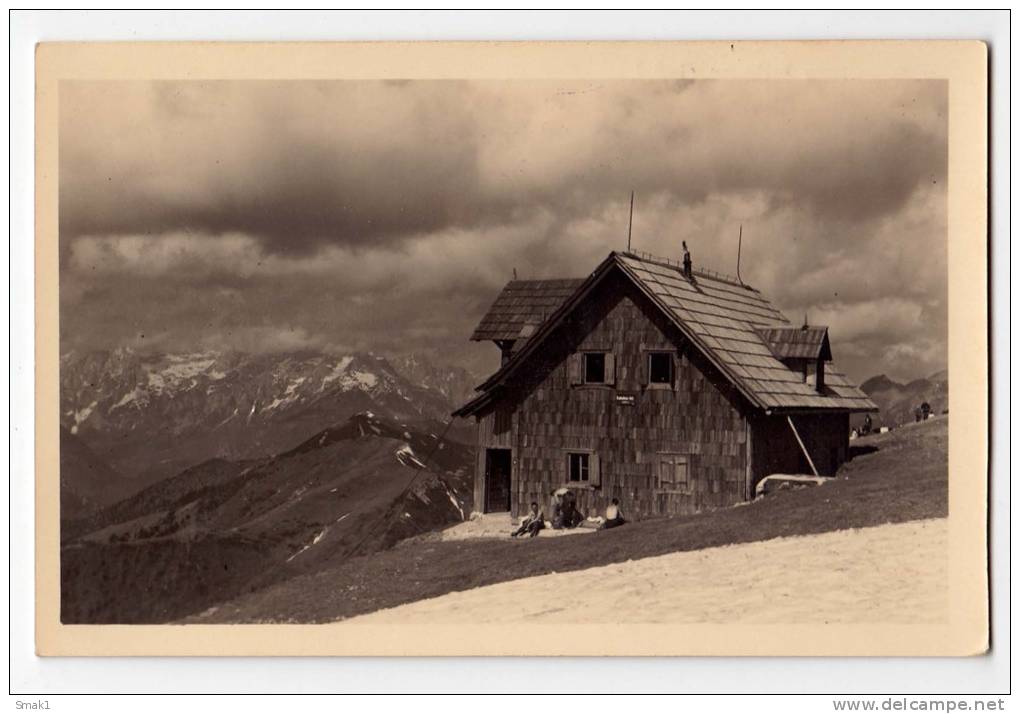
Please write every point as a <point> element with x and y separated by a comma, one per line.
<point>963,64</point>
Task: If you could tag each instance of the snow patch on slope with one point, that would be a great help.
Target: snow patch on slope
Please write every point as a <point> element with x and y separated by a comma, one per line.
<point>289,395</point>
<point>338,369</point>
<point>136,397</point>
<point>315,541</point>
<point>893,573</point>
<point>83,414</point>
<point>456,504</point>
<point>181,369</point>
<point>365,380</point>
<point>406,456</point>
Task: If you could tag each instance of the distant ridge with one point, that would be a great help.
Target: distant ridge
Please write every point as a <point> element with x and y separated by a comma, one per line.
<point>223,527</point>
<point>897,402</point>
<point>150,415</point>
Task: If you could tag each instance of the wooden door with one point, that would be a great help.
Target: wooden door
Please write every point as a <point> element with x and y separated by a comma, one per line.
<point>497,480</point>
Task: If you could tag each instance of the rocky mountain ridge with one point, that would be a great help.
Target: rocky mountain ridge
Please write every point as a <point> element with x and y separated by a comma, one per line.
<point>152,415</point>
<point>896,401</point>
<point>211,532</point>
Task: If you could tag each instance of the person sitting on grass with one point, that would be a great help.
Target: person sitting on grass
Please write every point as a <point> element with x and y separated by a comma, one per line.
<point>570,516</point>
<point>614,516</point>
<point>532,523</point>
<point>554,509</point>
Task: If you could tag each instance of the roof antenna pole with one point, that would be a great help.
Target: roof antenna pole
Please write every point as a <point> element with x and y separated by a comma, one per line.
<point>740,239</point>
<point>630,221</point>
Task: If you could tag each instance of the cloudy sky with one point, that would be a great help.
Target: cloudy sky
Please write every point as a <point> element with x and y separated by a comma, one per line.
<point>386,216</point>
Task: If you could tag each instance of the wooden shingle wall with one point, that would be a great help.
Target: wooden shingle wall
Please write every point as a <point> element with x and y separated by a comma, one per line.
<point>700,418</point>
<point>495,431</point>
<point>826,437</point>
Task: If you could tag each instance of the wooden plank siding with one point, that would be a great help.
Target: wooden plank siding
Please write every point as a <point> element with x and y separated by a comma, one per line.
<point>825,436</point>
<point>495,431</point>
<point>702,417</point>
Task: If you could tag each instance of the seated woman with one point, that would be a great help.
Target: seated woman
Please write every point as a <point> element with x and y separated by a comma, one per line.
<point>614,516</point>
<point>532,523</point>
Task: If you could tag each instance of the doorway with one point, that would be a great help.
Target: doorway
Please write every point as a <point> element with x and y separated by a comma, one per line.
<point>497,480</point>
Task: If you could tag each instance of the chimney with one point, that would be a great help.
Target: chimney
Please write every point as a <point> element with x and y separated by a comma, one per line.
<point>687,261</point>
<point>505,350</point>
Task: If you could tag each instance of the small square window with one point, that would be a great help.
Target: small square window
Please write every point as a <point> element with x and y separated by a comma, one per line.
<point>594,368</point>
<point>580,467</point>
<point>660,368</point>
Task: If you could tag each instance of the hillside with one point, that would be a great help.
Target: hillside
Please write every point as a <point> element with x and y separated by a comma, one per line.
<point>222,528</point>
<point>896,477</point>
<point>87,482</point>
<point>892,573</point>
<point>897,402</point>
<point>151,415</point>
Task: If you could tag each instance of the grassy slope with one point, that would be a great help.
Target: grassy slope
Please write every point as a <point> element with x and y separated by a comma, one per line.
<point>895,477</point>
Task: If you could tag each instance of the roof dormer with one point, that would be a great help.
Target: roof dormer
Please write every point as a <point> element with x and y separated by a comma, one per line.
<point>804,350</point>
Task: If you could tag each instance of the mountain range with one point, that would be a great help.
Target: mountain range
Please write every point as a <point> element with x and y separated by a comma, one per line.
<point>190,479</point>
<point>896,401</point>
<point>149,416</point>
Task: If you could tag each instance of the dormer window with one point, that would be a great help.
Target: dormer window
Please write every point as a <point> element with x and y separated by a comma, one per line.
<point>814,374</point>
<point>804,350</point>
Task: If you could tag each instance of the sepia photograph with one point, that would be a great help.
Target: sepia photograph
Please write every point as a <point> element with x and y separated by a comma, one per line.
<point>335,349</point>
<point>579,352</point>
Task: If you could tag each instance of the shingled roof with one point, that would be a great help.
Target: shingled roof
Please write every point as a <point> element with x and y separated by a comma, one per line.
<point>521,304</point>
<point>805,342</point>
<point>724,319</point>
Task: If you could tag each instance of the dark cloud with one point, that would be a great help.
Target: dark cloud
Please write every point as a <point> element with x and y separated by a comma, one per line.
<point>303,164</point>
<point>385,215</point>
<point>251,168</point>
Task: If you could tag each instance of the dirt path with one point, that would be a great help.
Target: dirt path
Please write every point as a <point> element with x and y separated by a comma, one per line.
<point>891,573</point>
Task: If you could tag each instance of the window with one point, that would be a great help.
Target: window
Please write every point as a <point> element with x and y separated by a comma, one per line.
<point>580,467</point>
<point>583,470</point>
<point>660,368</point>
<point>814,373</point>
<point>673,473</point>
<point>594,368</point>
